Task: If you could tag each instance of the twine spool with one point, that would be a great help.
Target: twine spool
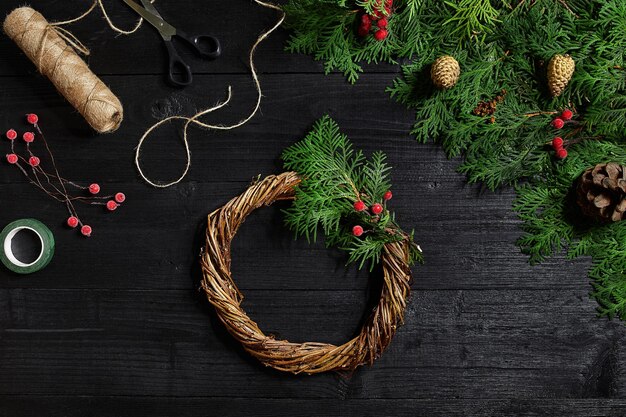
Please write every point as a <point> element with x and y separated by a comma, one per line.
<point>46,46</point>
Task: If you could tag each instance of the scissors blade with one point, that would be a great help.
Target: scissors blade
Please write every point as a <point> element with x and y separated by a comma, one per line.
<point>165,29</point>
<point>150,7</point>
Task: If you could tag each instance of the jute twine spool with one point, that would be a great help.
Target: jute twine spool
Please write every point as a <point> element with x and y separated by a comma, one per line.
<point>46,46</point>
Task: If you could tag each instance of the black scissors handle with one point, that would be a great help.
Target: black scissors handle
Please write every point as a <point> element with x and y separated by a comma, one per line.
<point>176,63</point>
<point>206,46</point>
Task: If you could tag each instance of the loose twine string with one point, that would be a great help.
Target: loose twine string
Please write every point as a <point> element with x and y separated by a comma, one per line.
<point>195,118</point>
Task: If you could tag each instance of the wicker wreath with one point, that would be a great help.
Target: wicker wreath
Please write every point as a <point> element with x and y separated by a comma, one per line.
<point>308,357</point>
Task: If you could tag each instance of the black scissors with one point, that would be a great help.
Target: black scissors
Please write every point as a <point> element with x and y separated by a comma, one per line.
<point>206,46</point>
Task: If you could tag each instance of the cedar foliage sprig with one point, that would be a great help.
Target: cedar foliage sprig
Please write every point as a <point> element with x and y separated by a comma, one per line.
<point>510,146</point>
<point>553,222</point>
<point>326,29</point>
<point>335,176</point>
<point>503,48</point>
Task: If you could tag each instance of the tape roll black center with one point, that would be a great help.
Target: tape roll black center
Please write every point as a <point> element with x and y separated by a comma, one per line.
<point>26,246</point>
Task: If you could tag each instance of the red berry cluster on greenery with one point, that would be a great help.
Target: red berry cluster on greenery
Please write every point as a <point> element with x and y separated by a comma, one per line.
<point>378,22</point>
<point>558,144</point>
<point>374,210</point>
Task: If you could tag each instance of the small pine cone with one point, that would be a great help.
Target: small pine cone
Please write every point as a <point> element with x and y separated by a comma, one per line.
<point>445,72</point>
<point>560,71</point>
<point>601,192</point>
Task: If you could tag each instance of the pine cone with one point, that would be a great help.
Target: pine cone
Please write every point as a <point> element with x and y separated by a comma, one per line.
<point>445,72</point>
<point>560,71</point>
<point>601,192</point>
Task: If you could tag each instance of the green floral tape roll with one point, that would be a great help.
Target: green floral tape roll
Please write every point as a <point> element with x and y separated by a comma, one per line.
<point>46,239</point>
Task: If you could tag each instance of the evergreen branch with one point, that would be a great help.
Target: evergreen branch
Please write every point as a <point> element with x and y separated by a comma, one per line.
<point>498,115</point>
<point>334,178</point>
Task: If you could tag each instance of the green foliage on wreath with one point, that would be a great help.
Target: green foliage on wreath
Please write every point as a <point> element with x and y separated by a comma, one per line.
<point>335,176</point>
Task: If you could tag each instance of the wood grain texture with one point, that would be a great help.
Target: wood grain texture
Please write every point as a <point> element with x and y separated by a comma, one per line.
<point>115,326</point>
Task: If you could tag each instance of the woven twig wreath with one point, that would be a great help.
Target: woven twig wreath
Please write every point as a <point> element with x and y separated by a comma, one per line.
<point>308,357</point>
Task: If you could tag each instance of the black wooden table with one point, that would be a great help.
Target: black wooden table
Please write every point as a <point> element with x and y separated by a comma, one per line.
<point>115,326</point>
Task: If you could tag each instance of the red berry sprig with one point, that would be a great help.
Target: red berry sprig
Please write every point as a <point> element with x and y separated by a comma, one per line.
<point>558,144</point>
<point>377,22</point>
<point>51,182</point>
<point>374,211</point>
<point>559,151</point>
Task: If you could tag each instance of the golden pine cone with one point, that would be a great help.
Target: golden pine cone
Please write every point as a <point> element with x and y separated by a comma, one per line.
<point>560,71</point>
<point>445,72</point>
<point>601,192</point>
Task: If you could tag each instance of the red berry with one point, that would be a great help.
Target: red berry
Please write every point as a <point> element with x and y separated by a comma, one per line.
<point>375,17</point>
<point>377,208</point>
<point>365,19</point>
<point>357,230</point>
<point>382,23</point>
<point>72,221</point>
<point>381,34</point>
<point>11,134</point>
<point>111,205</point>
<point>363,31</point>
<point>388,195</point>
<point>32,118</point>
<point>567,114</point>
<point>359,205</point>
<point>12,158</point>
<point>86,230</point>
<point>94,188</point>
<point>120,197</point>
<point>557,143</point>
<point>34,161</point>
<point>389,3</point>
<point>28,137</point>
<point>558,123</point>
<point>561,153</point>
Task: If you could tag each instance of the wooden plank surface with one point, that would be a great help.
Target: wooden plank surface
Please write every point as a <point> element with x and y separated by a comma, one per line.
<point>115,325</point>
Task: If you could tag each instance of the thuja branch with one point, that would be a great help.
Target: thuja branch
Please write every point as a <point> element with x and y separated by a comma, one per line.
<point>343,194</point>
